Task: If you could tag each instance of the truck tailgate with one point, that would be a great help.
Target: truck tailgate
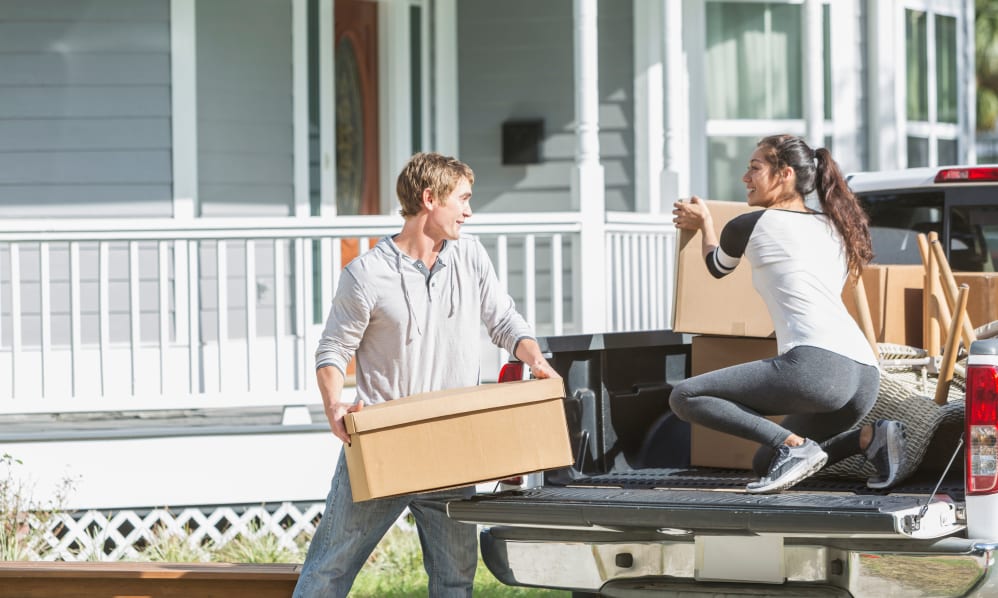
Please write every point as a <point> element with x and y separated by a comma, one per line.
<point>714,512</point>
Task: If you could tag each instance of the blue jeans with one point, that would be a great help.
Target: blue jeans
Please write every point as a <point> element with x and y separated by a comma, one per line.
<point>348,532</point>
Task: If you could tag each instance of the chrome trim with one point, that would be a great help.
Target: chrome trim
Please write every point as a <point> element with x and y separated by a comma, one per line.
<point>950,568</point>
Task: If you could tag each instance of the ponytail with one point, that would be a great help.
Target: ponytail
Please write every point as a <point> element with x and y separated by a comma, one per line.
<point>815,170</point>
<point>839,203</point>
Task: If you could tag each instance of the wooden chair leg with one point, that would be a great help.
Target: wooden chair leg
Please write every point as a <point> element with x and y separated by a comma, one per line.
<point>862,305</point>
<point>930,320</point>
<point>951,291</point>
<point>952,347</point>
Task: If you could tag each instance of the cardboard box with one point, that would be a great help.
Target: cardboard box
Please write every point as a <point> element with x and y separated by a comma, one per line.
<point>894,293</point>
<point>457,437</point>
<point>982,297</point>
<point>710,448</point>
<point>707,305</point>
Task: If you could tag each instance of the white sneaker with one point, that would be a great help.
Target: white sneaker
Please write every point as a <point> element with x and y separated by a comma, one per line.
<point>886,453</point>
<point>790,465</point>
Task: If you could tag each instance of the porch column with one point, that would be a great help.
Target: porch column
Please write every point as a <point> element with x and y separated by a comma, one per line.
<point>886,108</point>
<point>183,102</point>
<point>814,73</point>
<point>966,69</point>
<point>649,134</point>
<point>676,171</point>
<point>588,193</point>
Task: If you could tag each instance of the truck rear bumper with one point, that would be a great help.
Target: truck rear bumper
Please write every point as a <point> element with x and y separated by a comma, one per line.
<point>643,565</point>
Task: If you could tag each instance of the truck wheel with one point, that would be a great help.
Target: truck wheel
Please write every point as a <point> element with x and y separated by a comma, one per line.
<point>585,595</point>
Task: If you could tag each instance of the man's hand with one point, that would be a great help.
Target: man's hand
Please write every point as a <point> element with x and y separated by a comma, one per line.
<point>529,352</point>
<point>542,369</point>
<point>335,415</point>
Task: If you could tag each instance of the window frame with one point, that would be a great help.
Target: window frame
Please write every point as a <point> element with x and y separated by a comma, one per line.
<point>931,129</point>
<point>695,21</point>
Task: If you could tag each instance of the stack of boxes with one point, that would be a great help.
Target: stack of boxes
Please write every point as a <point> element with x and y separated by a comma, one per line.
<point>732,326</point>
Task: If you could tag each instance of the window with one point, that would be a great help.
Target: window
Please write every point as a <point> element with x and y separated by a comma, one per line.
<point>895,221</point>
<point>753,61</point>
<point>974,238</point>
<point>753,83</point>
<point>896,218</point>
<point>931,94</point>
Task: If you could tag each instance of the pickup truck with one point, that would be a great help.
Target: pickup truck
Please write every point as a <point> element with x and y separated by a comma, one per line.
<point>632,518</point>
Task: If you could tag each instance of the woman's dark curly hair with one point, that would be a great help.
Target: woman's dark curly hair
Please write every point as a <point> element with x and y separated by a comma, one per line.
<point>815,170</point>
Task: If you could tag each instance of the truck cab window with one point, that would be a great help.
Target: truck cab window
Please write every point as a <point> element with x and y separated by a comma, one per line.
<point>895,221</point>
<point>974,238</point>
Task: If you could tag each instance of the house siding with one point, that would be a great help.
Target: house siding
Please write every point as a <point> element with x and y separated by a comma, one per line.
<point>516,62</point>
<point>85,108</point>
<point>245,113</point>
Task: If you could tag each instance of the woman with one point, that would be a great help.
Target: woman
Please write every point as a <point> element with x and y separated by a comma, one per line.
<point>826,377</point>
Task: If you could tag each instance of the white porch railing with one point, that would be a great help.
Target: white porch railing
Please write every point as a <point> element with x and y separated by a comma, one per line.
<point>134,314</point>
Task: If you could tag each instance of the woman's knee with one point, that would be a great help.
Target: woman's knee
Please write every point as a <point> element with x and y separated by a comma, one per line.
<point>679,401</point>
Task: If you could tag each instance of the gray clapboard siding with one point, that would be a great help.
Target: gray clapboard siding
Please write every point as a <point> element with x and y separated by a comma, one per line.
<point>17,69</point>
<point>245,137</point>
<point>85,10</point>
<point>66,101</point>
<point>245,114</point>
<point>93,167</point>
<point>57,200</point>
<point>85,114</point>
<point>265,106</point>
<point>75,37</point>
<point>78,134</point>
<point>517,62</point>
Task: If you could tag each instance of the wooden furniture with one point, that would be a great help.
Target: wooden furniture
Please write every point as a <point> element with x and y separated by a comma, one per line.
<point>952,347</point>
<point>147,580</point>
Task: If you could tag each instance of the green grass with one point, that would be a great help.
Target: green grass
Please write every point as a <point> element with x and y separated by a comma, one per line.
<point>927,576</point>
<point>395,570</point>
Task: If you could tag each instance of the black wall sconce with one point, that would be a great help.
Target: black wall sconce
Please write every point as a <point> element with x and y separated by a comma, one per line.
<point>521,141</point>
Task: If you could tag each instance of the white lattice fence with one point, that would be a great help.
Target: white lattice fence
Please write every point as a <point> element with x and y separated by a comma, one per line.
<point>95,535</point>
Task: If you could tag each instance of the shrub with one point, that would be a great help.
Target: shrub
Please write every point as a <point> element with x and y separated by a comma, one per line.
<point>255,547</point>
<point>25,521</point>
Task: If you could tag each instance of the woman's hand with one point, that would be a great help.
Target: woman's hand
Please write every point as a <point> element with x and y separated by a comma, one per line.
<point>691,215</point>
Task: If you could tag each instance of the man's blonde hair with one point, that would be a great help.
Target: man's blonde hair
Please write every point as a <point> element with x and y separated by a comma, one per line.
<point>429,170</point>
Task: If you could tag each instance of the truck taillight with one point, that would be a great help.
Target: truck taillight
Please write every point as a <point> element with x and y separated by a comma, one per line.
<point>964,175</point>
<point>511,371</point>
<point>982,429</point>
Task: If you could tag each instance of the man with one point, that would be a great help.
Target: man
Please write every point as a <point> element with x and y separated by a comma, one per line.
<point>411,310</point>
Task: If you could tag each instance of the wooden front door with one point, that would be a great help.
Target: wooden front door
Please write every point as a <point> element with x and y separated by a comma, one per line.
<point>356,59</point>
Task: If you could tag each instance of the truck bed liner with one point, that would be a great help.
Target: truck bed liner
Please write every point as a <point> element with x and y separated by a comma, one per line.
<point>706,478</point>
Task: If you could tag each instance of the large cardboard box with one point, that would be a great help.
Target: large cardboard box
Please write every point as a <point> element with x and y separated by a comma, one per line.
<point>710,448</point>
<point>457,437</point>
<point>707,305</point>
<point>894,294</point>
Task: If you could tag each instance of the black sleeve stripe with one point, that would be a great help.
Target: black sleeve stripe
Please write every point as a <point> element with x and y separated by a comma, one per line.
<point>720,264</point>
<point>734,240</point>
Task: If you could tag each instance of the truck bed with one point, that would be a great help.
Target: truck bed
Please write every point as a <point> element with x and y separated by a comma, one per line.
<point>701,499</point>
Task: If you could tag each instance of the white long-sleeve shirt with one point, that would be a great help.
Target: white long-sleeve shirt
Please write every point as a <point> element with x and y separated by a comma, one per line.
<point>799,268</point>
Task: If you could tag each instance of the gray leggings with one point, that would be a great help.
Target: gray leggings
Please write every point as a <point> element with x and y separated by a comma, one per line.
<point>823,394</point>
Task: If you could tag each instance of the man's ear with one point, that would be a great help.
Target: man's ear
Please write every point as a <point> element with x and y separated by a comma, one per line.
<point>427,198</point>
